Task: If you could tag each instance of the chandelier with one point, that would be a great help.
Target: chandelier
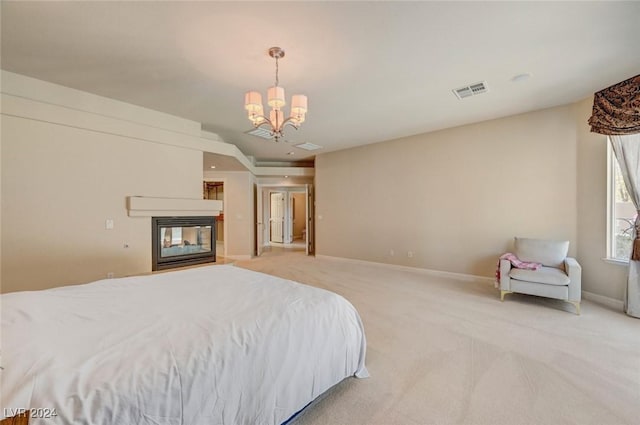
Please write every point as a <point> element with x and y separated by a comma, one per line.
<point>276,100</point>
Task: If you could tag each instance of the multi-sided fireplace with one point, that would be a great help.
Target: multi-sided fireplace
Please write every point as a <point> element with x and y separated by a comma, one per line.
<point>182,241</point>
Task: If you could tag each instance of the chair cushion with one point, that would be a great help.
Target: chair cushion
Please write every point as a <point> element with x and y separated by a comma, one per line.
<point>547,252</point>
<point>548,275</point>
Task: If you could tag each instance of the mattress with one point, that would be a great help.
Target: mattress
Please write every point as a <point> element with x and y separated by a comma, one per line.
<point>208,345</point>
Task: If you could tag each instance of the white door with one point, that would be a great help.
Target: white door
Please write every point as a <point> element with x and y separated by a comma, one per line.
<point>276,219</point>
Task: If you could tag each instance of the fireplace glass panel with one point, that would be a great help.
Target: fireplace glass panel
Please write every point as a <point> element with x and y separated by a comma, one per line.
<point>184,240</point>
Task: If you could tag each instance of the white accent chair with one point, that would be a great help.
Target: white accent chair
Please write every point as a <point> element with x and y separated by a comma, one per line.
<point>559,277</point>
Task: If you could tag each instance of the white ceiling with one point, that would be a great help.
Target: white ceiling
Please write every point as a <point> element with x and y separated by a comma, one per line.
<point>373,71</point>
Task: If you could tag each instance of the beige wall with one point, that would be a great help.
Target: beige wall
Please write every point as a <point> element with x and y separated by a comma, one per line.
<point>454,198</point>
<point>238,207</point>
<point>450,197</point>
<point>69,159</point>
<point>598,277</point>
<point>60,184</point>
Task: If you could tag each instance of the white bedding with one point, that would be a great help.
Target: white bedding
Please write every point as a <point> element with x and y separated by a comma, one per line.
<point>204,346</point>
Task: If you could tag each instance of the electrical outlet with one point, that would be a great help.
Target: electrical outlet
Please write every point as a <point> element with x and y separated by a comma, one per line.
<point>108,224</point>
<point>410,254</point>
<point>110,275</point>
<point>392,253</point>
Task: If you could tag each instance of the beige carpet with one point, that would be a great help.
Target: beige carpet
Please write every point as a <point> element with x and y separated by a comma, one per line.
<point>446,351</point>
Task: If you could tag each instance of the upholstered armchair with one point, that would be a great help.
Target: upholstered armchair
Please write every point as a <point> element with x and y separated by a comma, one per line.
<point>559,277</point>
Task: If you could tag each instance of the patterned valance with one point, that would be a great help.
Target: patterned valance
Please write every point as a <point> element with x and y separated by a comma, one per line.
<point>616,109</point>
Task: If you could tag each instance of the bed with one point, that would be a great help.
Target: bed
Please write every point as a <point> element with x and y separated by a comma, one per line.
<point>203,346</point>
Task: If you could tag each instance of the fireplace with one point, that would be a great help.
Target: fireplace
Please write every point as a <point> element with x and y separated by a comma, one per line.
<point>182,241</point>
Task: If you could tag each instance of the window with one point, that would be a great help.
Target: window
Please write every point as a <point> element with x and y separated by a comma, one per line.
<point>622,213</point>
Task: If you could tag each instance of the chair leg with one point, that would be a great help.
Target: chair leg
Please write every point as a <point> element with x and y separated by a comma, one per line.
<point>577,305</point>
<point>503,293</point>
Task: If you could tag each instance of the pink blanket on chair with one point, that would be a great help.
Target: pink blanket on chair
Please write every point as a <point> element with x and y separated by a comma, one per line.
<point>517,263</point>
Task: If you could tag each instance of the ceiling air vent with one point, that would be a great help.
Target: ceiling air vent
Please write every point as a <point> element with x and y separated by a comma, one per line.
<point>308,146</point>
<point>471,90</point>
<point>260,132</point>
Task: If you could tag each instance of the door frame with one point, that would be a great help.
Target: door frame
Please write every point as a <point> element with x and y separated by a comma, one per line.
<point>302,192</point>
<point>310,236</point>
<point>262,196</point>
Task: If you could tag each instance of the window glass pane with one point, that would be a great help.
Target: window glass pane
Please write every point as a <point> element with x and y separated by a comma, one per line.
<point>624,214</point>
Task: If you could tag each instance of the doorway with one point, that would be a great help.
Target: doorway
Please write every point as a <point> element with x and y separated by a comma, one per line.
<point>215,190</point>
<point>287,216</point>
<point>298,210</point>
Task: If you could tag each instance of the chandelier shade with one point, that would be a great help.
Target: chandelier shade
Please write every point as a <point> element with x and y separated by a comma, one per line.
<point>252,101</point>
<point>257,117</point>
<point>275,96</point>
<point>276,100</point>
<point>298,108</point>
<point>299,104</point>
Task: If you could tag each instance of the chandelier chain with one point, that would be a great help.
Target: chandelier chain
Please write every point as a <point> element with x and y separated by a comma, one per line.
<point>277,81</point>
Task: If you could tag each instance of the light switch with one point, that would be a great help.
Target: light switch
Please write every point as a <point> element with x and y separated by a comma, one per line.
<point>108,224</point>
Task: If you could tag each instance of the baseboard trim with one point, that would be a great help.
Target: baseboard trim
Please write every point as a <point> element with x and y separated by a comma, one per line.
<point>439,273</point>
<point>601,299</point>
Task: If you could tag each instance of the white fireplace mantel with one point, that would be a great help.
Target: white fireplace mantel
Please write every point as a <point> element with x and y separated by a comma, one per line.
<point>141,206</point>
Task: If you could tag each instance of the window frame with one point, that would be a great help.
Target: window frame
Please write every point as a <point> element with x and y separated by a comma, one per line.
<point>611,208</point>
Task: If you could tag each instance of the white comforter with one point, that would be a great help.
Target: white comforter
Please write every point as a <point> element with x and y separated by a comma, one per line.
<point>205,346</point>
